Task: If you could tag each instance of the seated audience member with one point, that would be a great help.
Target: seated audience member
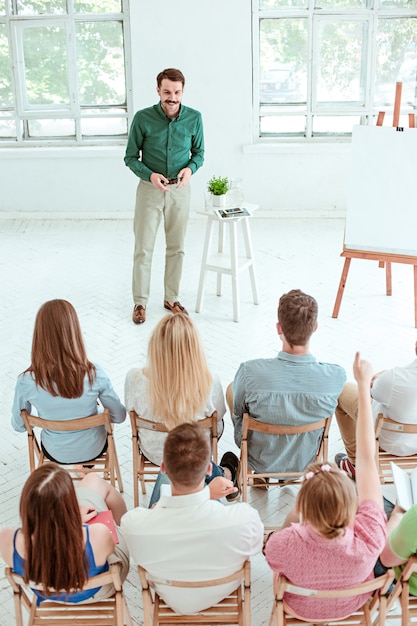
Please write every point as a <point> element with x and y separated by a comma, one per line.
<point>401,542</point>
<point>394,394</point>
<point>62,384</point>
<point>292,388</point>
<point>175,387</point>
<point>54,547</point>
<point>333,537</point>
<point>188,536</point>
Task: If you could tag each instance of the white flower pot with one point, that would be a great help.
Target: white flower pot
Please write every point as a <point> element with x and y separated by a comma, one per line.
<point>219,201</point>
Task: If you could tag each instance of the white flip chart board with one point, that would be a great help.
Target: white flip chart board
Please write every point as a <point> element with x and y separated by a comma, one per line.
<point>381,211</point>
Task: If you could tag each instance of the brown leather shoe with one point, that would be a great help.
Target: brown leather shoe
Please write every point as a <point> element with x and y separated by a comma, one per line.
<point>175,308</point>
<point>139,314</point>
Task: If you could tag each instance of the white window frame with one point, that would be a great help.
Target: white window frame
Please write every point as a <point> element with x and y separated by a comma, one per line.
<point>315,16</point>
<point>23,111</point>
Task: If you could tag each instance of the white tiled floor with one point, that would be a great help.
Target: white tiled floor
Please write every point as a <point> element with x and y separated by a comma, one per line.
<point>89,263</point>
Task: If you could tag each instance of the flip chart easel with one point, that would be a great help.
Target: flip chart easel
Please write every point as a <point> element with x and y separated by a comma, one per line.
<point>384,258</point>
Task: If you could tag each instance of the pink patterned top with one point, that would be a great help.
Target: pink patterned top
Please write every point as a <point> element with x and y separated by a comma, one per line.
<point>309,560</point>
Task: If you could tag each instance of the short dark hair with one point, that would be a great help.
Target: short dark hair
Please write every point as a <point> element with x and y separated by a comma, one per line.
<point>297,315</point>
<point>171,74</point>
<point>187,453</point>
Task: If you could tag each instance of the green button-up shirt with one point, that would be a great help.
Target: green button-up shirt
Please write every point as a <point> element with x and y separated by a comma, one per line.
<point>160,144</point>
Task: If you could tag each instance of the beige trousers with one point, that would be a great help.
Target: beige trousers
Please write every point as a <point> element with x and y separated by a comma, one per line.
<point>346,415</point>
<point>153,205</point>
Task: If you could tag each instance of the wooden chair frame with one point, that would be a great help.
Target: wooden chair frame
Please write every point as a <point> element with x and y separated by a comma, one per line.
<point>106,612</point>
<point>234,609</point>
<point>401,590</point>
<point>376,605</point>
<point>107,463</point>
<point>407,463</point>
<point>144,471</point>
<point>251,424</point>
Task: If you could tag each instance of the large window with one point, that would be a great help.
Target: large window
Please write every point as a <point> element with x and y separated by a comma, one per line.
<point>63,75</point>
<point>323,66</point>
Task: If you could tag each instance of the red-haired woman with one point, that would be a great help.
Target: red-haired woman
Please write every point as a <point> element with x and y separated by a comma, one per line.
<point>62,384</point>
<point>53,548</point>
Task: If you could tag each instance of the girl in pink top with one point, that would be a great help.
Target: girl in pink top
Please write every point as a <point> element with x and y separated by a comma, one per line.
<point>334,536</point>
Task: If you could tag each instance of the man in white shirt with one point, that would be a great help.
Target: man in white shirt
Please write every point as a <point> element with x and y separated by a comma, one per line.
<point>188,536</point>
<point>394,394</point>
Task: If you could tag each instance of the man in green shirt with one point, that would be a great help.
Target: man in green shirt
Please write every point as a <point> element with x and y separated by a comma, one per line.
<point>165,147</point>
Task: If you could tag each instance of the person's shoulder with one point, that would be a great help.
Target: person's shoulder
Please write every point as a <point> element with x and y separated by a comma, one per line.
<point>25,379</point>
<point>130,519</point>
<point>186,110</point>
<point>332,368</point>
<point>135,375</point>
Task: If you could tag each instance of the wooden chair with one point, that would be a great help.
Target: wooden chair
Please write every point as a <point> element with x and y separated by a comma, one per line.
<point>107,612</point>
<point>375,606</point>
<point>107,463</point>
<point>401,590</point>
<point>234,609</point>
<point>407,463</point>
<point>144,471</point>
<point>254,425</point>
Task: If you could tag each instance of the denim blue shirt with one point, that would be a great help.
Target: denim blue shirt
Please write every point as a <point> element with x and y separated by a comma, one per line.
<point>68,447</point>
<point>288,389</point>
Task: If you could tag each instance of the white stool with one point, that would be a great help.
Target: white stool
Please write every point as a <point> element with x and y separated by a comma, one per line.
<point>233,267</point>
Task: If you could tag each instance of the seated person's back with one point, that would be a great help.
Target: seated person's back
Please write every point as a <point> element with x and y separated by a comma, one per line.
<point>292,389</point>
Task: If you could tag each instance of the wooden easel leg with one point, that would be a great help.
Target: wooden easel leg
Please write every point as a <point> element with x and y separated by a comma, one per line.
<point>342,285</point>
<point>388,278</point>
<point>415,295</point>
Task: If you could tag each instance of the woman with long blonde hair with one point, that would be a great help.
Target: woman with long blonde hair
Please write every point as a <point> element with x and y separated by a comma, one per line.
<point>176,386</point>
<point>62,384</point>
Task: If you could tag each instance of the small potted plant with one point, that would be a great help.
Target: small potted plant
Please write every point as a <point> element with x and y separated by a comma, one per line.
<point>218,186</point>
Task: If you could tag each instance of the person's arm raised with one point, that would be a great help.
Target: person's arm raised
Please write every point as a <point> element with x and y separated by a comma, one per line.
<point>367,476</point>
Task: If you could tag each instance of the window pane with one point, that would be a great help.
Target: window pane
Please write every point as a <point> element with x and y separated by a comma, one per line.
<point>342,56</point>
<point>45,61</point>
<point>283,59</point>
<point>41,7</point>
<point>51,128</point>
<point>280,4</point>
<point>103,126</point>
<point>396,60</point>
<point>2,7</point>
<point>97,6</point>
<point>7,126</point>
<point>399,4</point>
<point>6,94</point>
<point>283,124</point>
<point>341,4</point>
<point>100,63</point>
<point>335,125</point>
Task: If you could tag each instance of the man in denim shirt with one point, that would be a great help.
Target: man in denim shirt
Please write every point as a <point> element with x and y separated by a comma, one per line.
<point>291,389</point>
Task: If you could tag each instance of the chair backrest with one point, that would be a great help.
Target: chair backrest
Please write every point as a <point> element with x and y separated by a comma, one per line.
<point>234,609</point>
<point>105,612</point>
<point>145,470</point>
<point>107,463</point>
<point>378,587</point>
<point>407,463</point>
<point>255,425</point>
<point>402,590</point>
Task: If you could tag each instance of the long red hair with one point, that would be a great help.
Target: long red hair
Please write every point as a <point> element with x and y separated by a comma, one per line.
<point>59,359</point>
<point>52,531</point>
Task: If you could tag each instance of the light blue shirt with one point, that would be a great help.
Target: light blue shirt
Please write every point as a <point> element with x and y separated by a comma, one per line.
<point>76,446</point>
<point>288,389</point>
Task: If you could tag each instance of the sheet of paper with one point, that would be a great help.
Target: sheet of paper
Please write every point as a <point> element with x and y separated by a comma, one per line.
<point>403,487</point>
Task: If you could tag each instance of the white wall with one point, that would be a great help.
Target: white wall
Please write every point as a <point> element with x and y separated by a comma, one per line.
<point>210,41</point>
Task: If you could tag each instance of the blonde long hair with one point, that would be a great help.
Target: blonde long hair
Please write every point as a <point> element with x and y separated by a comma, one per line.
<point>179,377</point>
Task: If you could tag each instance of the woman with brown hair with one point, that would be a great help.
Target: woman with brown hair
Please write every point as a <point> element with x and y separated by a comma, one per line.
<point>54,548</point>
<point>62,384</point>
